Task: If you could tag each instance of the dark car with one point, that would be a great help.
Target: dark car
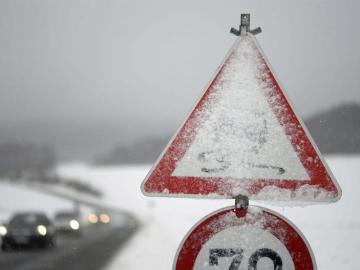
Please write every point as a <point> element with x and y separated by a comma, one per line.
<point>28,229</point>
<point>68,222</point>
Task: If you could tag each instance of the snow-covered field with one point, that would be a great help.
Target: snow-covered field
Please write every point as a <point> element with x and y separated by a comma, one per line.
<point>14,198</point>
<point>333,230</point>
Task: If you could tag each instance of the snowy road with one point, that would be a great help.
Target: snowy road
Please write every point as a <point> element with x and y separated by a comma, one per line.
<point>91,251</point>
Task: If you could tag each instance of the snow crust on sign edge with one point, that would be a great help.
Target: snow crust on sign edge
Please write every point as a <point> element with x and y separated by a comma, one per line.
<point>332,199</point>
<point>271,195</point>
<point>303,196</point>
<point>254,217</point>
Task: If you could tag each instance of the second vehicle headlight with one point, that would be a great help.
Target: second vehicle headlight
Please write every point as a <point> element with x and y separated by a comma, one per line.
<point>41,230</point>
<point>3,230</point>
<point>74,224</point>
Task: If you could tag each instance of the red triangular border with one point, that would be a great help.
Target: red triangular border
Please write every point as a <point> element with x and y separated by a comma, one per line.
<point>159,181</point>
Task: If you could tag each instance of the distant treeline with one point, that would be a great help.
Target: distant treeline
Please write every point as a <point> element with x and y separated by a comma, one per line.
<point>21,162</point>
<point>17,159</point>
<point>141,152</point>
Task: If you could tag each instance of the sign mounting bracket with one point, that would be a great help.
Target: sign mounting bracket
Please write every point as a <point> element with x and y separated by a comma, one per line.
<point>244,27</point>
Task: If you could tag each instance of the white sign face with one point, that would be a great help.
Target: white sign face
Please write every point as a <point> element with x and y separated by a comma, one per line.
<point>242,248</point>
<point>239,135</point>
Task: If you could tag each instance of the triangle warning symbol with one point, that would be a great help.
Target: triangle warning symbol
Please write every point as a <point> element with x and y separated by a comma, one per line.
<point>243,137</point>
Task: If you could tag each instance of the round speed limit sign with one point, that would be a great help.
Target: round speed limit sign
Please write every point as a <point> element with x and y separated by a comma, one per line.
<point>252,239</point>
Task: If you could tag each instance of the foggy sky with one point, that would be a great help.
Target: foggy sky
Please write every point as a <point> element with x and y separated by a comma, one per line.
<point>142,64</point>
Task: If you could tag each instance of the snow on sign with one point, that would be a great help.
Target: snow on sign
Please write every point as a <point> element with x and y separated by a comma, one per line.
<point>243,137</point>
<point>236,239</point>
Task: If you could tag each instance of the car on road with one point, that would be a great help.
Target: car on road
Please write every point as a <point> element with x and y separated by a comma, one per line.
<point>28,229</point>
<point>97,218</point>
<point>68,222</point>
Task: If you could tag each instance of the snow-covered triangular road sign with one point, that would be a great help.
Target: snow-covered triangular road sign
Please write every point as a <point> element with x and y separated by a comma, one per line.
<point>243,137</point>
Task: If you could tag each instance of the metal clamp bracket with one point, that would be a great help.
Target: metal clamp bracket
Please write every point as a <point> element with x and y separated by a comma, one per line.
<point>244,27</point>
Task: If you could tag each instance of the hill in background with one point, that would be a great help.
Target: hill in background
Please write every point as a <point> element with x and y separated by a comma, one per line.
<point>145,151</point>
<point>336,131</point>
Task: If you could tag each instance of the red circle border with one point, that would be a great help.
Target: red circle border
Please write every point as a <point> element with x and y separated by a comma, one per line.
<point>275,224</point>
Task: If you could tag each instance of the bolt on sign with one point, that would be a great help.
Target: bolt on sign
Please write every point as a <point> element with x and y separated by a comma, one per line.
<point>243,139</point>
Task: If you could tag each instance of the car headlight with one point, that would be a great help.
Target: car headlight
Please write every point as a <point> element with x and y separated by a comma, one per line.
<point>105,218</point>
<point>93,218</point>
<point>41,230</point>
<point>74,224</point>
<point>3,230</point>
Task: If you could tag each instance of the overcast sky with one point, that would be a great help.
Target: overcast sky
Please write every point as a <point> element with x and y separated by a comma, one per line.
<point>142,64</point>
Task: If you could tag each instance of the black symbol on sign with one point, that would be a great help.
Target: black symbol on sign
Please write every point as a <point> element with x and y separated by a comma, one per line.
<point>265,253</point>
<point>216,162</point>
<point>236,255</point>
<point>251,138</point>
<point>279,170</point>
<point>220,160</point>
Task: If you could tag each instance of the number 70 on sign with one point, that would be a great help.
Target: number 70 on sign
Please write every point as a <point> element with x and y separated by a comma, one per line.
<point>237,258</point>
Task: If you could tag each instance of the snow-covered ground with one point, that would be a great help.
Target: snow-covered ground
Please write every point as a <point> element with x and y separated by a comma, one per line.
<point>15,198</point>
<point>333,230</point>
